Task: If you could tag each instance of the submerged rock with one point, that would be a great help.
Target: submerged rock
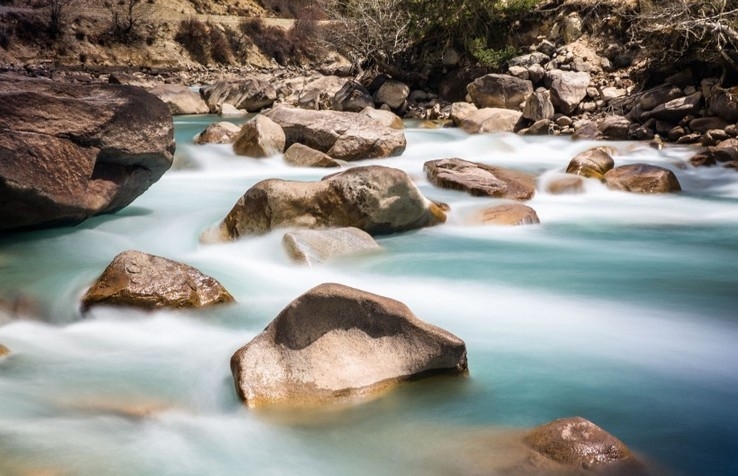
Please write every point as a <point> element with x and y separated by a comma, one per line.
<point>260,137</point>
<point>511,214</point>
<point>491,119</point>
<point>592,163</point>
<point>560,184</point>
<point>642,178</point>
<point>151,282</point>
<point>303,156</point>
<point>342,135</point>
<point>4,351</point>
<point>316,246</point>
<point>69,151</point>
<point>334,343</point>
<point>579,443</point>
<point>480,179</point>
<point>223,132</point>
<point>376,199</point>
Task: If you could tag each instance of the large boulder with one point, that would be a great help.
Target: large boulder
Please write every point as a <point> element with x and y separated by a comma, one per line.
<point>592,163</point>
<point>392,93</point>
<point>386,118</point>
<point>376,199</point>
<point>567,88</point>
<point>68,152</point>
<point>260,137</point>
<point>223,132</point>
<point>461,111</point>
<point>499,91</point>
<point>614,127</point>
<point>316,246</point>
<point>676,109</point>
<point>352,97</point>
<point>318,92</point>
<point>342,135</point>
<point>180,99</point>
<point>251,94</point>
<point>151,282</point>
<point>580,444</point>
<point>538,106</point>
<point>335,343</point>
<point>491,119</point>
<point>480,179</point>
<point>642,178</point>
<point>300,155</point>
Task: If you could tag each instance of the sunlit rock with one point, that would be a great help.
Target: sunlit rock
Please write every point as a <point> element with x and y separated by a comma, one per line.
<point>491,119</point>
<point>260,137</point>
<point>510,214</point>
<point>223,132</point>
<point>376,199</point>
<point>499,91</point>
<point>386,118</point>
<point>579,443</point>
<point>592,163</point>
<point>567,88</point>
<point>4,351</point>
<point>151,282</point>
<point>480,179</point>
<point>250,94</point>
<point>70,151</point>
<point>180,99</point>
<point>316,246</point>
<point>335,343</point>
<point>342,135</point>
<point>642,178</point>
<point>303,156</point>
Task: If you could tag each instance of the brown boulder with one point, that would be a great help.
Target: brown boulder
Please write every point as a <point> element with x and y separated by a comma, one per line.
<point>68,152</point>
<point>499,91</point>
<point>180,99</point>
<point>565,184</point>
<point>511,214</point>
<point>642,178</point>
<point>579,443</point>
<point>376,199</point>
<point>335,343</point>
<point>223,132</point>
<point>303,156</point>
<point>480,179</point>
<point>251,94</point>
<point>592,163</point>
<point>151,282</point>
<point>567,88</point>
<point>4,351</point>
<point>342,135</point>
<point>491,119</point>
<point>260,137</point>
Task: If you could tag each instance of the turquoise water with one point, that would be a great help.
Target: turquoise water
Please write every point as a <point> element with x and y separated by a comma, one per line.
<point>619,308</point>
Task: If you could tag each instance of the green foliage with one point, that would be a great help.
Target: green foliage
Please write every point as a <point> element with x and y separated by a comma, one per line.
<point>491,57</point>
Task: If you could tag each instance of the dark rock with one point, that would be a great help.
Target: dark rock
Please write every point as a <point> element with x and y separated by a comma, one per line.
<point>68,152</point>
<point>303,156</point>
<point>656,96</point>
<point>480,179</point>
<point>352,97</point>
<point>614,127</point>
<point>540,128</point>
<point>676,109</point>
<point>592,163</point>
<point>151,282</point>
<point>724,103</point>
<point>642,178</point>
<point>704,124</point>
<point>538,106</point>
<point>703,160</point>
<point>584,129</point>
<point>725,151</point>
<point>376,199</point>
<point>452,87</point>
<point>334,343</point>
<point>392,93</point>
<point>499,91</point>
<point>316,246</point>
<point>342,135</point>
<point>579,443</point>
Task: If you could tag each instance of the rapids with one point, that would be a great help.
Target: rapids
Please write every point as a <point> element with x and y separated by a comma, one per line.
<point>620,308</point>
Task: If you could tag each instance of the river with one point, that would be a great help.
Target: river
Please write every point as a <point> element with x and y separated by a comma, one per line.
<point>620,308</point>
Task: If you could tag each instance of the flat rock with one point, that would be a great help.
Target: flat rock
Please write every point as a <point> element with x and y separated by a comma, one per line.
<point>260,137</point>
<point>151,282</point>
<point>592,163</point>
<point>510,214</point>
<point>376,199</point>
<point>676,109</point>
<point>70,151</point>
<point>579,443</point>
<point>642,178</point>
<point>491,119</point>
<point>316,246</point>
<point>386,118</point>
<point>180,99</point>
<point>480,179</point>
<point>342,135</point>
<point>335,343</point>
<point>300,155</point>
<point>223,132</point>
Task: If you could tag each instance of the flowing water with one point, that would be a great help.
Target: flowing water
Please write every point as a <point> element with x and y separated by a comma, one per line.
<point>620,308</point>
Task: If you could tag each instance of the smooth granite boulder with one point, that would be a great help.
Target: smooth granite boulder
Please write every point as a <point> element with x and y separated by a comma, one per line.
<point>299,155</point>
<point>480,179</point>
<point>642,178</point>
<point>180,99</point>
<point>335,343</point>
<point>260,137</point>
<point>316,246</point>
<point>223,132</point>
<point>592,163</point>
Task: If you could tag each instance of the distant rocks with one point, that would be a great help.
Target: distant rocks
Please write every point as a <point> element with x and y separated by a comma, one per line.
<point>316,246</point>
<point>335,343</point>
<point>115,142</point>
<point>250,94</point>
<point>480,179</point>
<point>642,178</point>
<point>150,282</point>
<point>580,444</point>
<point>376,199</point>
<point>341,135</point>
<point>180,99</point>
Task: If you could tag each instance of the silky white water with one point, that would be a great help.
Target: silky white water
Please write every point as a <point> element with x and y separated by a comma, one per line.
<point>620,308</point>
